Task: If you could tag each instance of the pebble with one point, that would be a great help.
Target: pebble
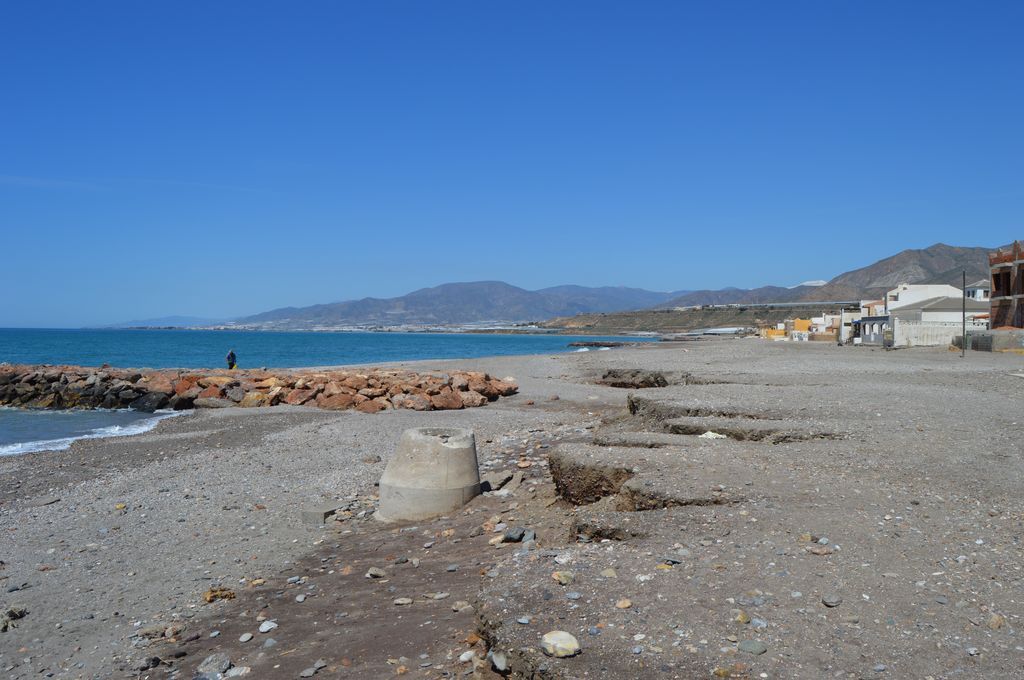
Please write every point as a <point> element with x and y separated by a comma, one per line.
<point>638,650</point>
<point>215,633</point>
<point>467,657</point>
<point>375,572</point>
<point>245,637</point>
<point>563,577</point>
<point>300,598</point>
<point>401,601</point>
<point>573,596</point>
<point>879,668</point>
<point>755,647</point>
<point>609,573</point>
<point>624,603</point>
<point>215,663</point>
<point>525,620</point>
<point>269,642</point>
<point>559,644</point>
<point>831,600</point>
<point>267,626</point>
<point>452,567</point>
<point>759,624</point>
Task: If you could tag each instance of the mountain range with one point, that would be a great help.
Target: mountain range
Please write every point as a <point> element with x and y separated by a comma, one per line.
<point>483,302</point>
<point>463,303</point>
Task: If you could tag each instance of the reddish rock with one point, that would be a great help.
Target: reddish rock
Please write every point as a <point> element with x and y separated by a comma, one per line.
<point>447,398</point>
<point>184,384</point>
<point>459,382</point>
<point>159,382</point>
<point>472,399</point>
<point>211,392</point>
<point>254,399</point>
<point>217,380</point>
<point>484,387</point>
<point>298,397</point>
<point>334,387</point>
<point>505,388</point>
<point>370,406</point>
<point>337,402</point>
<point>373,392</point>
<point>356,382</point>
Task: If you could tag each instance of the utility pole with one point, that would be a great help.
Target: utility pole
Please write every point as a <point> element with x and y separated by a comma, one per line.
<point>963,303</point>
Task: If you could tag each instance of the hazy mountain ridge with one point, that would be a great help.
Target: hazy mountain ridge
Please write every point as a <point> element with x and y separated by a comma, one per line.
<point>495,301</point>
<point>464,303</point>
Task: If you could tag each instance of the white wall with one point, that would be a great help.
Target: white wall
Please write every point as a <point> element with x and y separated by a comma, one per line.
<point>930,333</point>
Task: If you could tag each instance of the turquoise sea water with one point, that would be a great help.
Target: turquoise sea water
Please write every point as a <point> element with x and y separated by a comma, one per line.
<point>23,431</point>
<point>206,349</point>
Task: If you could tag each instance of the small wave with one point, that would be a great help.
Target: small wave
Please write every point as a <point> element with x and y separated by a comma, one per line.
<point>98,433</point>
<point>583,349</point>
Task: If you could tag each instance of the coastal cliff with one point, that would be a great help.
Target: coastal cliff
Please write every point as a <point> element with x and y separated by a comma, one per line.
<point>370,391</point>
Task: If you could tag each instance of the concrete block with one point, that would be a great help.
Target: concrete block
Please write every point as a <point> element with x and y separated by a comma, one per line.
<point>317,515</point>
<point>433,472</point>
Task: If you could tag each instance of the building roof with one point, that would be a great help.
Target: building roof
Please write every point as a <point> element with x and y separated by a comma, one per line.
<point>984,284</point>
<point>945,304</point>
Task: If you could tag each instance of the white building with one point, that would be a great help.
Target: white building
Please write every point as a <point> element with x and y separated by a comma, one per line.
<point>980,290</point>
<point>940,310</point>
<point>906,294</point>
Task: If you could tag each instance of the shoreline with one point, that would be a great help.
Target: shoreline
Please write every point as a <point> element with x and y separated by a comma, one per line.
<point>114,539</point>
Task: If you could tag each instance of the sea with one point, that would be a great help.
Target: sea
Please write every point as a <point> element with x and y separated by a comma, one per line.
<point>26,431</point>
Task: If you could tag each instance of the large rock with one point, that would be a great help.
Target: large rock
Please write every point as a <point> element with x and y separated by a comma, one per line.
<point>210,402</point>
<point>336,402</point>
<point>473,399</point>
<point>446,398</point>
<point>298,397</point>
<point>150,402</point>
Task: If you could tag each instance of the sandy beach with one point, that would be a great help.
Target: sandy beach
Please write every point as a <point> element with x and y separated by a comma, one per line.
<point>886,483</point>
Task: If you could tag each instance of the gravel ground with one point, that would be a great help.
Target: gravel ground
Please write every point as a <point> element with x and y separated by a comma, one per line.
<point>927,465</point>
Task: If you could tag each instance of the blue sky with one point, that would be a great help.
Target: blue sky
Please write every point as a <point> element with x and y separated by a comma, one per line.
<point>218,159</point>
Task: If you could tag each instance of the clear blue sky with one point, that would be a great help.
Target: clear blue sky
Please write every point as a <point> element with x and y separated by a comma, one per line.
<point>218,159</point>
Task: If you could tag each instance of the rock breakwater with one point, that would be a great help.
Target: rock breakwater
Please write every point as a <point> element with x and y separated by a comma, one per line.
<point>370,391</point>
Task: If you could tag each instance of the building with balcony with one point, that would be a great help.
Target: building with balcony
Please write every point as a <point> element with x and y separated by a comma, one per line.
<point>1007,301</point>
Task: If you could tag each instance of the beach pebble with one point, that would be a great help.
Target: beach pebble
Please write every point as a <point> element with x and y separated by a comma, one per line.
<point>559,644</point>
<point>267,626</point>
<point>245,637</point>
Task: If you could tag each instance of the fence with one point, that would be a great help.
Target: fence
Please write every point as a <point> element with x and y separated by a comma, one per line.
<point>930,333</point>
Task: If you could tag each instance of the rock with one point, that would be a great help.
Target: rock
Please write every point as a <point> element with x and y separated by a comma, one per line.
<point>609,573</point>
<point>215,663</point>
<point>210,402</point>
<point>559,644</point>
<point>447,399</point>
<point>563,578</point>
<point>755,647</point>
<point>514,534</point>
<point>245,637</point>
<point>150,402</point>
<point>235,394</point>
<point>254,400</point>
<point>372,406</point>
<point>624,603</point>
<point>633,378</point>
<point>375,572</point>
<point>473,399</point>
<point>298,397</point>
<point>831,600</point>
<point>403,601</point>
<point>337,402</point>
<point>267,626</point>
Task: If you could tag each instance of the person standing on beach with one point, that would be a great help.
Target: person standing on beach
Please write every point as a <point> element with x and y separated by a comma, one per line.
<point>231,359</point>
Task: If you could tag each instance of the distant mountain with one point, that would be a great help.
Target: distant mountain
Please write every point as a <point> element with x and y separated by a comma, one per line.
<point>462,303</point>
<point>939,263</point>
<point>165,321</point>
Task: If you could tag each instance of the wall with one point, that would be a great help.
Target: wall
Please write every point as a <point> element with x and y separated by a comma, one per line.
<point>929,333</point>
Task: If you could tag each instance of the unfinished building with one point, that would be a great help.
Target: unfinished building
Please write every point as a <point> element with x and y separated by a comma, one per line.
<point>1007,269</point>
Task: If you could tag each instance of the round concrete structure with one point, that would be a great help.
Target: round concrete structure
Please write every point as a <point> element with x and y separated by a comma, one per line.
<point>433,472</point>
